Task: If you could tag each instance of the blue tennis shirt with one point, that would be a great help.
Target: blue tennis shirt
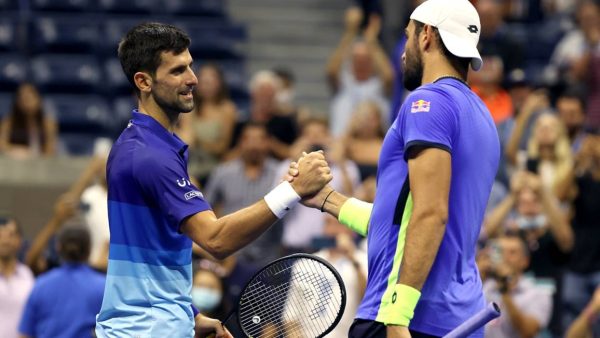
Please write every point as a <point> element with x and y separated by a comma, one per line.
<point>149,276</point>
<point>449,116</point>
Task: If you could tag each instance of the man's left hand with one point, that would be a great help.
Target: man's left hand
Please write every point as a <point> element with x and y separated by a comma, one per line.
<point>395,331</point>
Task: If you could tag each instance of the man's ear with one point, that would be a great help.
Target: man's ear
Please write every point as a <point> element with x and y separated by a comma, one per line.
<point>143,81</point>
<point>427,36</point>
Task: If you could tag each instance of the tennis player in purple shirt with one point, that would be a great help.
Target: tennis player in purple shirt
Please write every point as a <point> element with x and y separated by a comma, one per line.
<point>435,173</point>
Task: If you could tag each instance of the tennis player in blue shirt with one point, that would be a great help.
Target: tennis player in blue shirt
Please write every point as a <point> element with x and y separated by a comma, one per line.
<point>435,173</point>
<point>155,212</point>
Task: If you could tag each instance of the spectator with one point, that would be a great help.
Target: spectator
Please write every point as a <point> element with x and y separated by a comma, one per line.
<point>302,224</point>
<point>526,308</point>
<point>582,187</point>
<point>64,301</point>
<point>26,131</point>
<point>487,85</point>
<point>16,280</point>
<point>287,93</point>
<point>571,111</point>
<point>208,129</point>
<point>364,138</point>
<point>239,183</point>
<point>358,70</point>
<point>208,291</point>
<point>338,248</point>
<point>496,38</point>
<point>583,326</point>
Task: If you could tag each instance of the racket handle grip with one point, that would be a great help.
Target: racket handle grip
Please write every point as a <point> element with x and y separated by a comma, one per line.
<point>476,322</point>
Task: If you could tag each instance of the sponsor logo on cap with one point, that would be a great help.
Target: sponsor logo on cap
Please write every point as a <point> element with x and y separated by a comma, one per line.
<point>420,106</point>
<point>473,29</point>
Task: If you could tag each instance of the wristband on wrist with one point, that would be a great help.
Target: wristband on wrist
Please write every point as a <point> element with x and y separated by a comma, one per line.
<point>355,214</point>
<point>401,307</point>
<point>282,199</point>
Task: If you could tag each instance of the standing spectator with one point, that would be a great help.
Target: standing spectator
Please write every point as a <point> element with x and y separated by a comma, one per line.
<point>487,84</point>
<point>237,184</point>
<point>582,326</point>
<point>27,131</point>
<point>208,129</point>
<point>64,301</point>
<point>526,308</point>
<point>583,187</point>
<point>16,280</point>
<point>358,70</point>
<point>571,111</point>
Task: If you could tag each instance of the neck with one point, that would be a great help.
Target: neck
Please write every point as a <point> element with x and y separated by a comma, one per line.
<point>8,266</point>
<point>166,119</point>
<point>437,66</point>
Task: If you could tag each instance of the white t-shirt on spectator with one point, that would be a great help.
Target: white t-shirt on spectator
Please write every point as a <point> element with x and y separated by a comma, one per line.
<point>96,218</point>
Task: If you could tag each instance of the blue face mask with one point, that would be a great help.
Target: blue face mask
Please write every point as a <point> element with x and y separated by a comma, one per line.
<point>205,299</point>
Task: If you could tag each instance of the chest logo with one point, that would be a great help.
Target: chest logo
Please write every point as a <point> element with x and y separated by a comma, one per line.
<point>420,106</point>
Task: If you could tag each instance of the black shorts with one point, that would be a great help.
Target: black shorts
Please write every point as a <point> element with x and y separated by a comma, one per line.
<point>370,329</point>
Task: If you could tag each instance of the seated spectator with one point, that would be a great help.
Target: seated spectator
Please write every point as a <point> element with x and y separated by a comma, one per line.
<point>65,301</point>
<point>358,70</point>
<point>583,326</point>
<point>571,111</point>
<point>582,188</point>
<point>526,307</point>
<point>16,280</point>
<point>302,224</point>
<point>364,138</point>
<point>486,83</point>
<point>208,129</point>
<point>208,291</point>
<point>26,131</point>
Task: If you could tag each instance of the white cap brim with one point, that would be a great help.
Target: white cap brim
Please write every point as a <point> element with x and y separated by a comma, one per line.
<point>459,47</point>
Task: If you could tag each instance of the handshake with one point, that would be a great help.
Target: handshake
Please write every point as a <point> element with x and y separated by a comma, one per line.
<point>309,177</point>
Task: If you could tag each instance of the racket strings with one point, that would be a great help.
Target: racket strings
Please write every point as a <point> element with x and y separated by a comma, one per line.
<point>298,297</point>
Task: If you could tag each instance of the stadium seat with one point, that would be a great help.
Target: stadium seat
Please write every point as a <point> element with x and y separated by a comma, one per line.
<point>79,113</point>
<point>121,113</point>
<point>78,144</point>
<point>130,6</point>
<point>115,81</point>
<point>8,33</point>
<point>114,28</point>
<point>6,101</point>
<point>62,5</point>
<point>212,41</point>
<point>13,70</point>
<point>66,73</point>
<point>9,5</point>
<point>64,34</point>
<point>211,8</point>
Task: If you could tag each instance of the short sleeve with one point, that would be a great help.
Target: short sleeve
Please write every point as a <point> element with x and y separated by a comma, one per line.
<point>28,318</point>
<point>428,120</point>
<point>165,183</point>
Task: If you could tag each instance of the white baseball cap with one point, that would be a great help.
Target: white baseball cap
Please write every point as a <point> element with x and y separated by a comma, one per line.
<point>458,24</point>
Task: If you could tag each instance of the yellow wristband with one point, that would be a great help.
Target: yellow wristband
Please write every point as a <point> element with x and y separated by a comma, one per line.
<point>401,307</point>
<point>355,214</point>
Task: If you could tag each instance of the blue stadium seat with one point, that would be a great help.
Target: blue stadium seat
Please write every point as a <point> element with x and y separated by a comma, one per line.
<point>66,73</point>
<point>235,77</point>
<point>213,8</point>
<point>121,113</point>
<point>65,34</point>
<point>9,5</point>
<point>115,81</point>
<point>130,6</point>
<point>542,40</point>
<point>79,144</point>
<point>212,41</point>
<point>62,5</point>
<point>6,101</point>
<point>13,70</point>
<point>79,113</point>
<point>114,28</point>
<point>8,33</point>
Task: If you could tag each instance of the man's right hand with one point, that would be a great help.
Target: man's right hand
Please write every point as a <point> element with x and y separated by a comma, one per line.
<point>312,175</point>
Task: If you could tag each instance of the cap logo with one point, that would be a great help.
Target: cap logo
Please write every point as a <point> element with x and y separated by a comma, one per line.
<point>473,29</point>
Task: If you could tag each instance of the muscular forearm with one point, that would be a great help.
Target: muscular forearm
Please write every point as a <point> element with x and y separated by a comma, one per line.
<point>40,242</point>
<point>582,326</point>
<point>525,325</point>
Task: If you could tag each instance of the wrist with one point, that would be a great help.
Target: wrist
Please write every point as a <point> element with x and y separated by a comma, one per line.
<point>282,199</point>
<point>399,308</point>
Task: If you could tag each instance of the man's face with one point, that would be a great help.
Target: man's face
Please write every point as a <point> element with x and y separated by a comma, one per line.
<point>10,240</point>
<point>570,112</point>
<point>174,82</point>
<point>513,254</point>
<point>362,62</point>
<point>412,62</point>
<point>254,144</point>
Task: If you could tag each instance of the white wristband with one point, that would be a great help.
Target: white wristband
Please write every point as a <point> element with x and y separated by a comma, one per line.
<point>282,198</point>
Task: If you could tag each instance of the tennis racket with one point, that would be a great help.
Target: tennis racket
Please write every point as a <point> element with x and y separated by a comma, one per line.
<point>476,322</point>
<point>300,295</point>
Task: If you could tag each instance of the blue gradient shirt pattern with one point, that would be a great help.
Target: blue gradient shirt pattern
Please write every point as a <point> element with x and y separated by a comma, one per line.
<point>149,275</point>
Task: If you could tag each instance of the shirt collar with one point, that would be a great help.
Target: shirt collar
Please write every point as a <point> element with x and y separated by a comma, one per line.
<point>147,121</point>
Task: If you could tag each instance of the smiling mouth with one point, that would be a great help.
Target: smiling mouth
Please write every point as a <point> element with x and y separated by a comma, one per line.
<point>188,95</point>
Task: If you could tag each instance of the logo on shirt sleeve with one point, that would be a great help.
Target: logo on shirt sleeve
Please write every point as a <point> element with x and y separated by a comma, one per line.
<point>420,106</point>
<point>194,193</point>
<point>183,182</point>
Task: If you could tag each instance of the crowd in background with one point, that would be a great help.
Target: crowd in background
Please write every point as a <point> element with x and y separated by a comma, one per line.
<point>539,249</point>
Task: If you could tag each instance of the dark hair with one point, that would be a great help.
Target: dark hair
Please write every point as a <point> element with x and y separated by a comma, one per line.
<point>572,94</point>
<point>74,244</point>
<point>519,236</point>
<point>5,220</point>
<point>19,133</point>
<point>141,48</point>
<point>460,64</point>
<point>222,94</point>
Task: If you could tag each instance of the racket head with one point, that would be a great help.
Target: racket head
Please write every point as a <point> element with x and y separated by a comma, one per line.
<point>264,298</point>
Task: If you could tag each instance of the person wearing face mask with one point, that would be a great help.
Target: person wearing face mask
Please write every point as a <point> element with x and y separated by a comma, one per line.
<point>207,294</point>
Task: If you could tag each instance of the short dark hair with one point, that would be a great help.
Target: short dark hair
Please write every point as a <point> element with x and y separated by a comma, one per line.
<point>6,219</point>
<point>74,243</point>
<point>141,48</point>
<point>460,64</point>
<point>572,94</point>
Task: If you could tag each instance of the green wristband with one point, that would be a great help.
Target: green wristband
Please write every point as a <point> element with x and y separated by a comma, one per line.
<point>355,214</point>
<point>400,308</point>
